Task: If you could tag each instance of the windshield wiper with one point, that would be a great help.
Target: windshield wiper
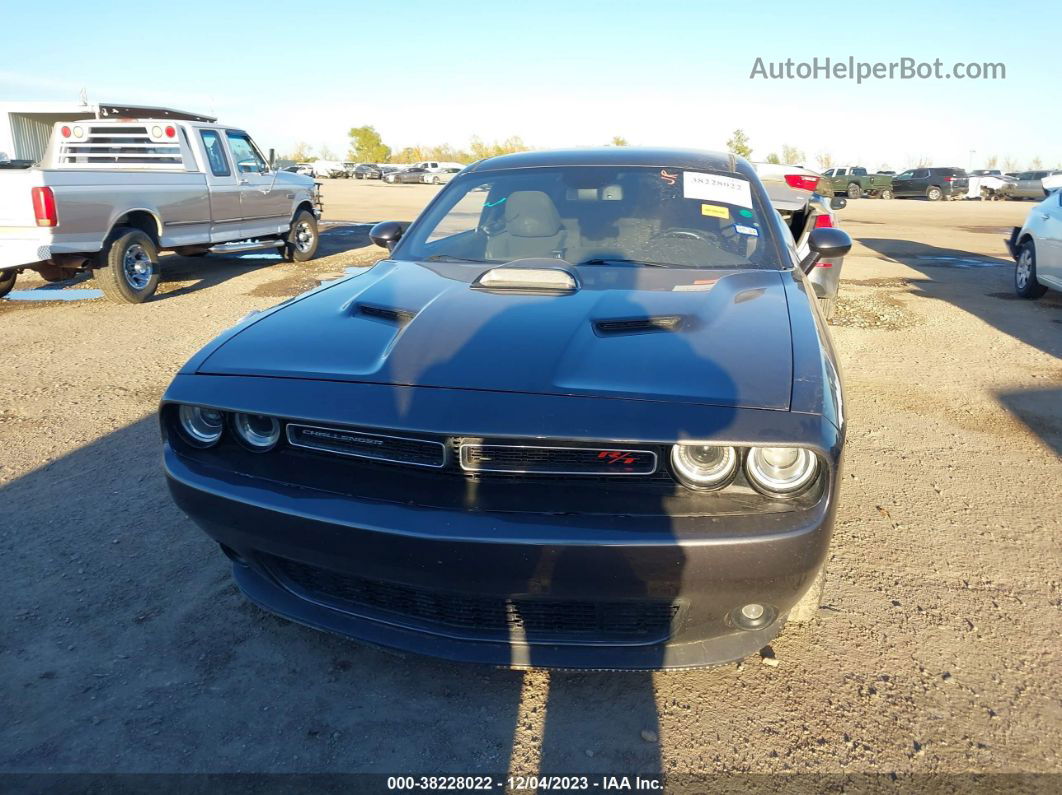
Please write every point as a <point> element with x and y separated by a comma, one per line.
<point>451,258</point>
<point>609,260</point>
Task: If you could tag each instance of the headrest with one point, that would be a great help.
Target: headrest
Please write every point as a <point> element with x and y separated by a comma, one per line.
<point>531,213</point>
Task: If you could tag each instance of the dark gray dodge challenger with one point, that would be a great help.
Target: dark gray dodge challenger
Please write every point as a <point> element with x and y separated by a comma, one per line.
<point>585,415</point>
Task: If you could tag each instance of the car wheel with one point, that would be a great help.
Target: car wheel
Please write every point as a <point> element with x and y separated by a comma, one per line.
<point>7,281</point>
<point>826,305</point>
<point>934,194</point>
<point>303,238</point>
<point>886,194</point>
<point>854,191</point>
<point>807,608</point>
<point>435,180</point>
<point>1025,284</point>
<point>127,270</point>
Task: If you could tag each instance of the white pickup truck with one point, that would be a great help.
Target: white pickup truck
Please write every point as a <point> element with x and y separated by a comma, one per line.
<point>110,194</point>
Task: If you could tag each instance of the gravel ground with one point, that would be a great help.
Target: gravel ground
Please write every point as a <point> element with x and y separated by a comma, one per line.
<point>125,646</point>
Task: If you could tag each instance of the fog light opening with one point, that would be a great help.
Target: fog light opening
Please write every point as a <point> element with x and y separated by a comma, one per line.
<point>753,616</point>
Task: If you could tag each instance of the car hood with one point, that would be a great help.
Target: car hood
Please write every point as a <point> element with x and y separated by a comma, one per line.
<point>713,337</point>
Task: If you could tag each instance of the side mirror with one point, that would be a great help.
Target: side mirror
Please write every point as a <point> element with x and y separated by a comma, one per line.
<point>825,242</point>
<point>386,233</point>
<point>838,203</point>
<point>272,157</point>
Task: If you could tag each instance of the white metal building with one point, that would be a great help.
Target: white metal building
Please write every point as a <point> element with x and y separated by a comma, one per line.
<point>25,127</point>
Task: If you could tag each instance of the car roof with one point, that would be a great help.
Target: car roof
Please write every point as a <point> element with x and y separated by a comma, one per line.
<point>619,156</point>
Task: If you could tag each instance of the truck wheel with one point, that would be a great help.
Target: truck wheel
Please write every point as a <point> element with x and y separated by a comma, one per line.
<point>854,191</point>
<point>826,305</point>
<point>804,611</point>
<point>127,269</point>
<point>7,281</point>
<point>303,239</point>
<point>435,180</point>
<point>934,194</point>
<point>1025,284</point>
<point>885,194</point>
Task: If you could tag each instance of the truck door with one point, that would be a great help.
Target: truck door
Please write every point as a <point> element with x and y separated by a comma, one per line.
<point>225,215</point>
<point>264,203</point>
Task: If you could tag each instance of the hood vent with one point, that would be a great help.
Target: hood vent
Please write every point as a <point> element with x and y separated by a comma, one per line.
<point>528,278</point>
<point>638,325</point>
<point>399,316</point>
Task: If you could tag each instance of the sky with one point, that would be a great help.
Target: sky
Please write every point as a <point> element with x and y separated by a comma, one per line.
<point>563,74</point>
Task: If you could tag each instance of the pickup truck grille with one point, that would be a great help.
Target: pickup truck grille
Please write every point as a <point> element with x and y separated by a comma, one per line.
<point>112,145</point>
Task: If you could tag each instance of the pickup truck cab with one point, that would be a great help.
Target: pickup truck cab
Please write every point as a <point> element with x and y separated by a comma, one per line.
<point>856,182</point>
<point>110,194</point>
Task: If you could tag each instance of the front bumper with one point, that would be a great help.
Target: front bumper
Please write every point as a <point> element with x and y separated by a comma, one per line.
<point>474,586</point>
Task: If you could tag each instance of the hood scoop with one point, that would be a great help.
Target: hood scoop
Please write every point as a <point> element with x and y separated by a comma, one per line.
<point>638,325</point>
<point>398,316</point>
<point>539,275</point>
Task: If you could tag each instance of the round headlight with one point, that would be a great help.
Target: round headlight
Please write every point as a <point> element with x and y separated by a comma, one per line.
<point>781,471</point>
<point>201,426</point>
<point>704,466</point>
<point>257,431</point>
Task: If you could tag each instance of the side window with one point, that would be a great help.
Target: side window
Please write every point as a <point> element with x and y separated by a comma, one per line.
<point>215,152</point>
<point>859,172</point>
<point>828,172</point>
<point>841,172</point>
<point>921,173</point>
<point>248,161</point>
<point>906,175</point>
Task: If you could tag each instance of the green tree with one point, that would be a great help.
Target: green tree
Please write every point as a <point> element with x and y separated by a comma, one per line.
<point>773,158</point>
<point>739,144</point>
<point>791,155</point>
<point>619,140</point>
<point>479,149</point>
<point>366,145</point>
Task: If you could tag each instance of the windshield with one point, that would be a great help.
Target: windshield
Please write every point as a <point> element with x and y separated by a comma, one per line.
<point>597,215</point>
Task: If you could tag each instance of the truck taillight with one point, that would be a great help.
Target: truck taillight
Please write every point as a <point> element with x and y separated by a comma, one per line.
<point>44,207</point>
<point>823,221</point>
<point>171,132</point>
<point>64,131</point>
<point>802,182</point>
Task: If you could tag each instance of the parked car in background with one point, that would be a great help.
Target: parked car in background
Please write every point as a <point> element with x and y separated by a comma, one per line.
<point>989,187</point>
<point>1031,184</point>
<point>985,172</point>
<point>1037,249</point>
<point>588,417</point>
<point>437,167</point>
<point>348,169</point>
<point>328,169</point>
<point>441,177</point>
<point>1052,181</point>
<point>933,183</point>
<point>806,202</point>
<point>367,171</point>
<point>306,169</point>
<point>406,175</point>
<point>855,182</point>
<point>111,194</point>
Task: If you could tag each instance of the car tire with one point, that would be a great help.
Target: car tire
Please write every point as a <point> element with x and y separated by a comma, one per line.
<point>435,180</point>
<point>827,305</point>
<point>854,191</point>
<point>7,281</point>
<point>885,194</point>
<point>127,269</point>
<point>303,238</point>
<point>1025,284</point>
<point>805,611</point>
<point>934,193</point>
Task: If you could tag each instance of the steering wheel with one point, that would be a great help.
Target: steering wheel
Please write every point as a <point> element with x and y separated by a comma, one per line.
<point>683,233</point>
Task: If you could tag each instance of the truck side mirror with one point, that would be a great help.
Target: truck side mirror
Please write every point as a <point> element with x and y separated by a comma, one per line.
<point>825,242</point>
<point>386,233</point>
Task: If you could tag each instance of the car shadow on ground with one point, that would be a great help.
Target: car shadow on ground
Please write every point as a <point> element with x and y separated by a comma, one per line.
<point>197,273</point>
<point>1039,410</point>
<point>979,284</point>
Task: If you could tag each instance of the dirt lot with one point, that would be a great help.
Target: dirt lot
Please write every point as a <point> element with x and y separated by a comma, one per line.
<point>125,646</point>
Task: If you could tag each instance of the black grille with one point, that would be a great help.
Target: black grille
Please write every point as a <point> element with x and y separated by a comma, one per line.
<point>399,316</point>
<point>538,618</point>
<point>595,461</point>
<point>363,444</point>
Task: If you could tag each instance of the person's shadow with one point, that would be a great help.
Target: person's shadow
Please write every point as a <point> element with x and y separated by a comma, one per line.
<point>623,591</point>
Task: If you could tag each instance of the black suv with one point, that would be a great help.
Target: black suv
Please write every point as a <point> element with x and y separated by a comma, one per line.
<point>932,183</point>
<point>366,171</point>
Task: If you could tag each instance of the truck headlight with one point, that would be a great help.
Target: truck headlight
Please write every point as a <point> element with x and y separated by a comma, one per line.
<point>704,466</point>
<point>259,432</point>
<point>781,471</point>
<point>201,426</point>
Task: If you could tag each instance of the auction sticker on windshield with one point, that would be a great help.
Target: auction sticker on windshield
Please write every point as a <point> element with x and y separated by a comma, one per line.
<point>716,188</point>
